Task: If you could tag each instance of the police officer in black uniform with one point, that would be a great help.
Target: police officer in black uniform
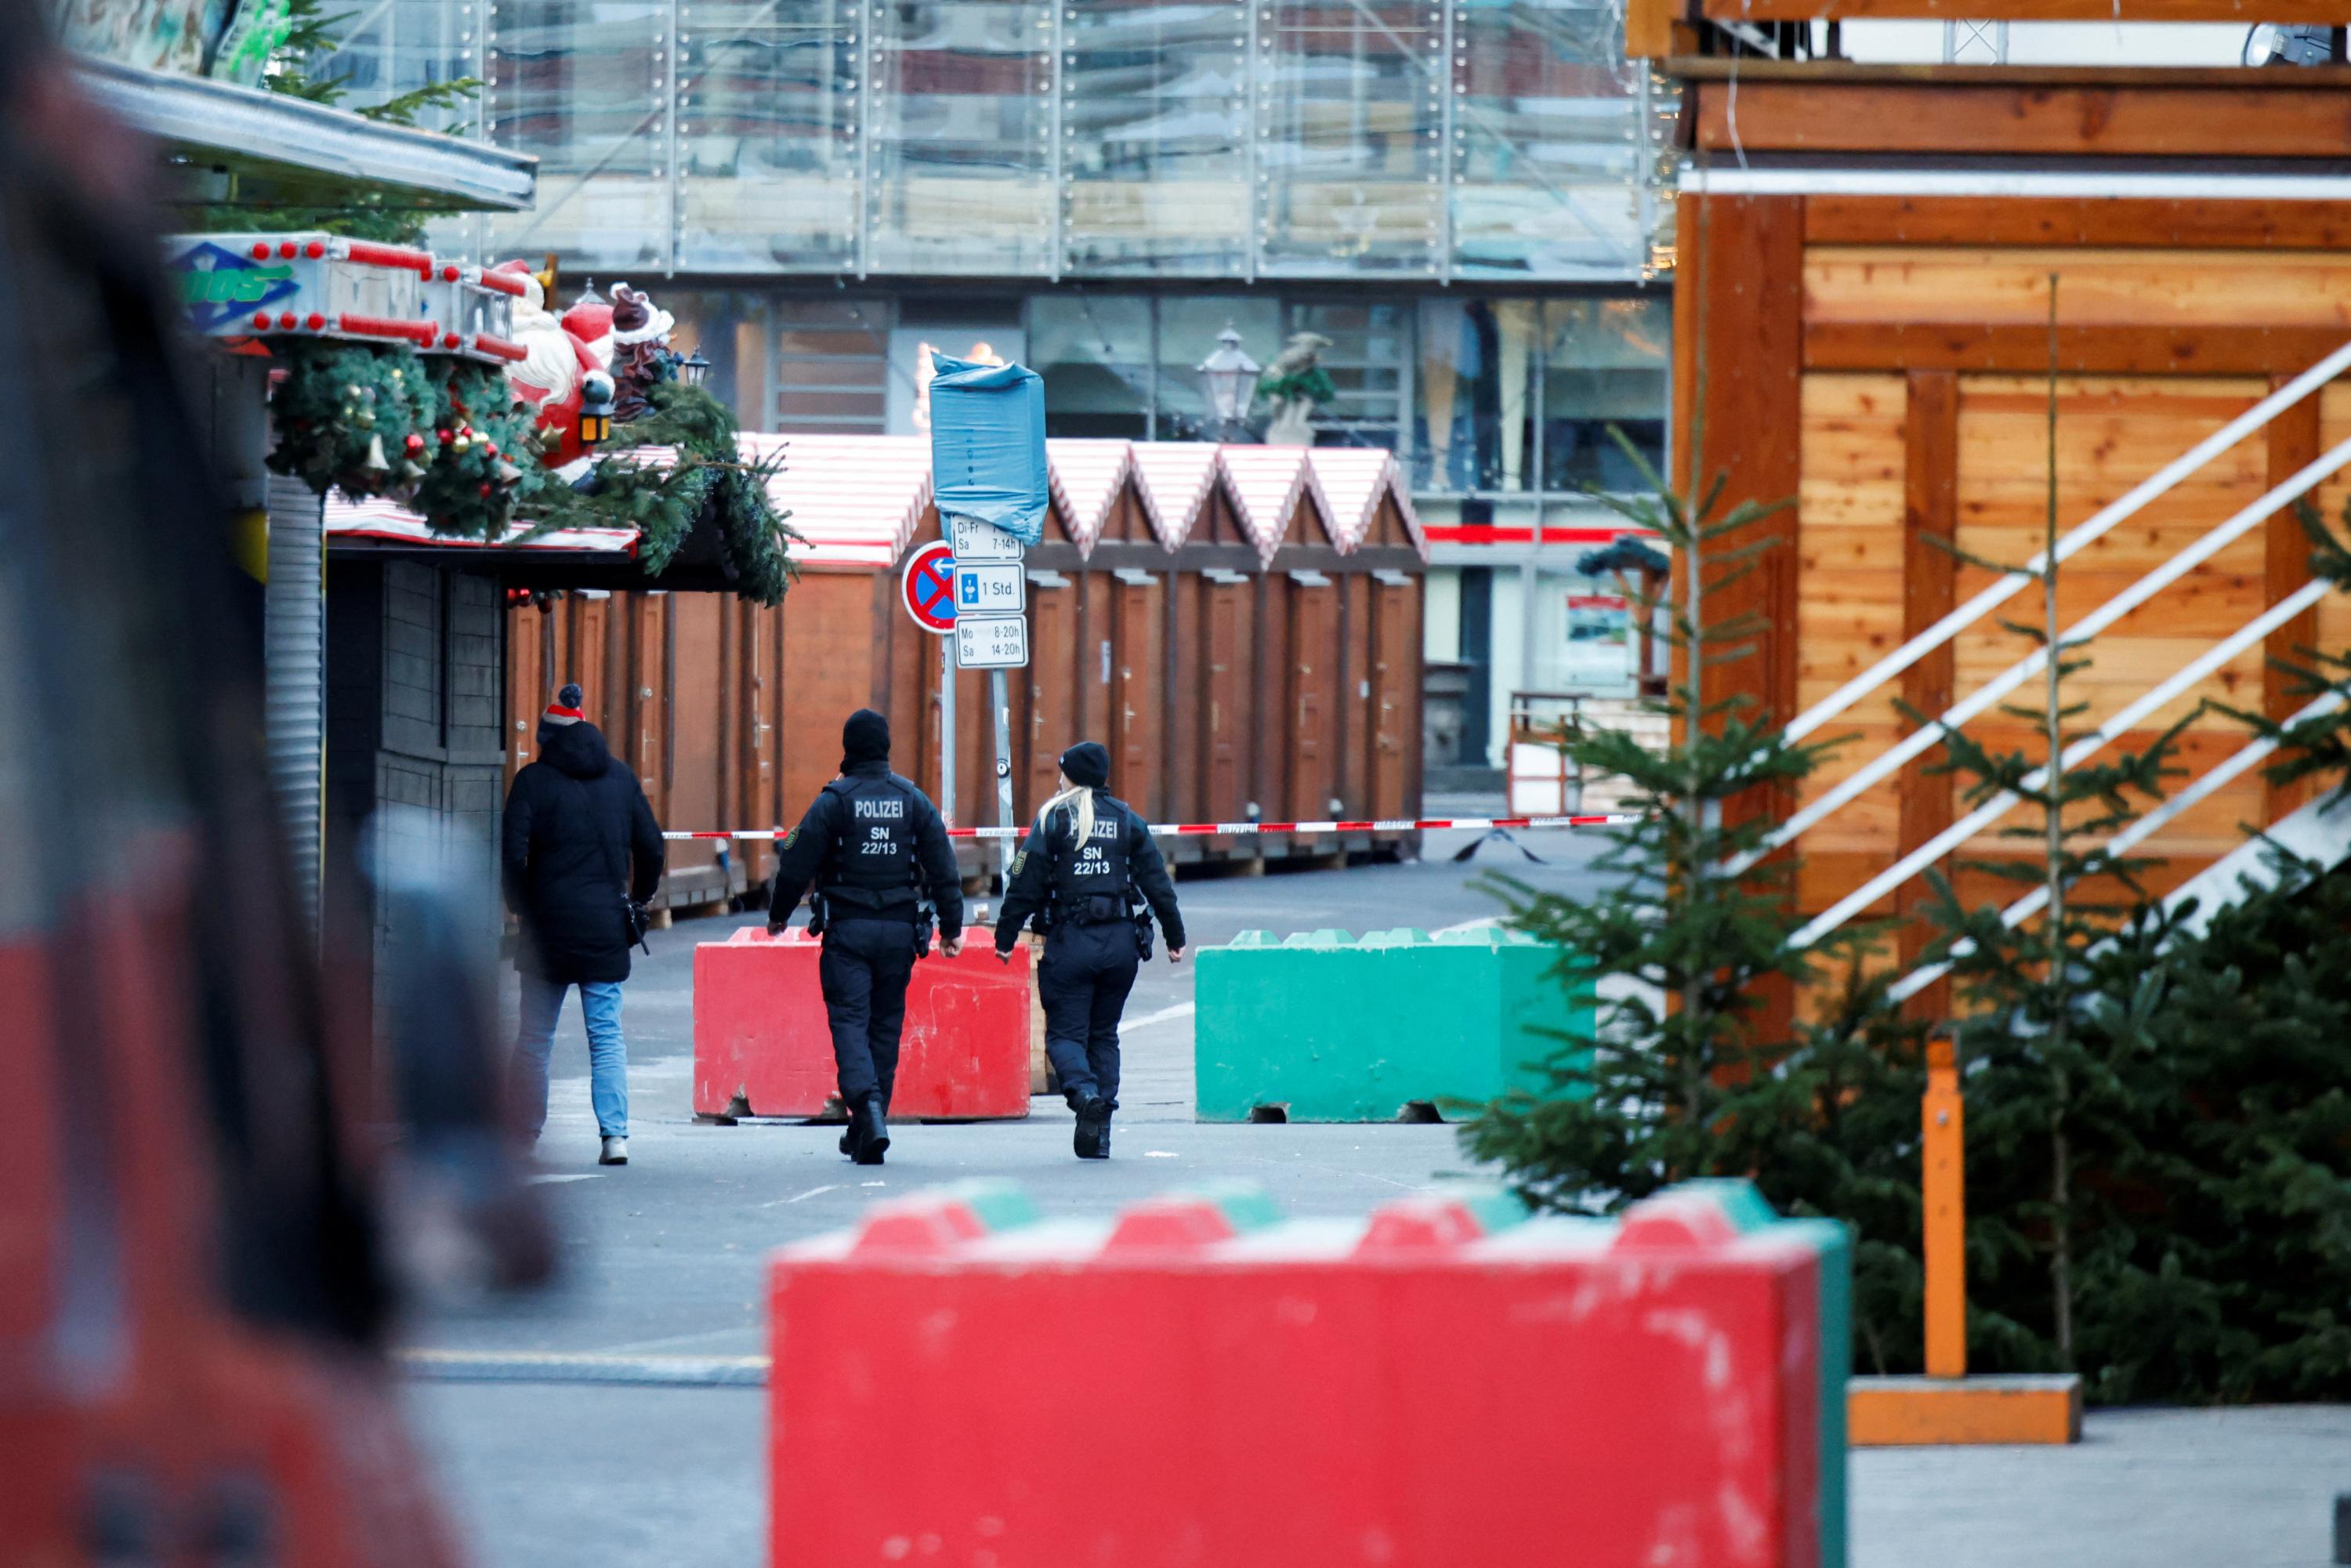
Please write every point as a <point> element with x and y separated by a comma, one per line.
<point>1088,866</point>
<point>876,850</point>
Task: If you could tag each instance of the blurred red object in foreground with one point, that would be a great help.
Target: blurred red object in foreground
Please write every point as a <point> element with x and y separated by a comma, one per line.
<point>194,1283</point>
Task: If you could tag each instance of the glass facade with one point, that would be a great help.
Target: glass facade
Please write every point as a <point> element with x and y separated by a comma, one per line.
<point>1155,139</point>
<point>767,138</point>
<point>586,84</point>
<point>1432,140</point>
<point>1509,398</point>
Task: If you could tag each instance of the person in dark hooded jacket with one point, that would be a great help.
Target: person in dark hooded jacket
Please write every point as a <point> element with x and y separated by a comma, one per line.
<point>874,850</point>
<point>580,848</point>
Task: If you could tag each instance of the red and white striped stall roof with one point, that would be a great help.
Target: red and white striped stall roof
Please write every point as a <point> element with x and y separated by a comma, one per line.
<point>388,522</point>
<point>1175,477</point>
<point>1355,479</point>
<point>1267,485</point>
<point>1086,476</point>
<point>857,499</point>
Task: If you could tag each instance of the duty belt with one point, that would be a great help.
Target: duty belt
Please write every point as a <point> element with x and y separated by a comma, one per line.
<point>873,900</point>
<point>1097,909</point>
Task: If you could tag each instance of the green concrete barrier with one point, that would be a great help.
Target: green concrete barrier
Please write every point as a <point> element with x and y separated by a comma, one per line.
<point>1323,1027</point>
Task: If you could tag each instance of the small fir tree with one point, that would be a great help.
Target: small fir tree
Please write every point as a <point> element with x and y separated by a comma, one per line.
<point>2229,1277</point>
<point>2045,1091</point>
<point>1682,1080</point>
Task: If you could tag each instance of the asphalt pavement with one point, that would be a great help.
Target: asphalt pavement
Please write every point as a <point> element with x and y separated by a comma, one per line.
<point>556,1446</point>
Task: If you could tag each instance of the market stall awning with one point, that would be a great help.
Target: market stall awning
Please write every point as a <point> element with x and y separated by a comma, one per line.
<point>239,144</point>
<point>1355,480</point>
<point>1177,479</point>
<point>388,525</point>
<point>1267,485</point>
<point>1087,475</point>
<point>856,499</point>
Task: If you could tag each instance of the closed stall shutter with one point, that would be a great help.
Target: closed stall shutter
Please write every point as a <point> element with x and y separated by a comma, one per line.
<point>294,625</point>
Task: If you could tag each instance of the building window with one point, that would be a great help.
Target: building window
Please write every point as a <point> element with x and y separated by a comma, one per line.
<point>583,87</point>
<point>1369,348</point>
<point>1603,365</point>
<point>1475,415</point>
<point>833,368</point>
<point>728,328</point>
<point>962,132</point>
<point>1548,143</point>
<point>1094,352</point>
<point>1224,139</point>
<point>767,135</point>
<point>1188,328</point>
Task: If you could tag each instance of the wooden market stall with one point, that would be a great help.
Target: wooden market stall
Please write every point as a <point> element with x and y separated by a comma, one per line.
<point>722,706</point>
<point>1863,323</point>
<point>1161,625</point>
<point>1336,634</point>
<point>1212,615</point>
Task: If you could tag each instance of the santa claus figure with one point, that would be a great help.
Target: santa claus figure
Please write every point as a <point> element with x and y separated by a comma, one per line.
<point>641,355</point>
<point>559,375</point>
<point>590,319</point>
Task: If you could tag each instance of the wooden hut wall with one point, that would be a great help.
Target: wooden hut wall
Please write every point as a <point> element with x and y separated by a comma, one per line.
<point>833,659</point>
<point>1191,665</point>
<point>1218,657</point>
<point>708,748</point>
<point>1391,747</point>
<point>1312,593</point>
<point>1131,585</point>
<point>1891,373</point>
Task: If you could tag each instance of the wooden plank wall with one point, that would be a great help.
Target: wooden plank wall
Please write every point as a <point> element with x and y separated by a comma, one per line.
<point>1217,687</point>
<point>1886,361</point>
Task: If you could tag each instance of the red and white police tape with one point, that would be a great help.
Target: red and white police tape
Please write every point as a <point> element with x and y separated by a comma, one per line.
<point>1394,825</point>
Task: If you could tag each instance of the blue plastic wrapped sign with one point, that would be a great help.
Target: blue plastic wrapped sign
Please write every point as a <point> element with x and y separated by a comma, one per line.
<point>988,446</point>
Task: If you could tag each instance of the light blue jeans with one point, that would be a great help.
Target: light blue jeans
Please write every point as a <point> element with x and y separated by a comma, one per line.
<point>608,1053</point>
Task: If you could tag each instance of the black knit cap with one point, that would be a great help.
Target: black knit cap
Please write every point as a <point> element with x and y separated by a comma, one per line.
<point>864,738</point>
<point>1087,763</point>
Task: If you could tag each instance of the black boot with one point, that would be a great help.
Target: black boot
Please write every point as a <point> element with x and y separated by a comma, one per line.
<point>869,1129</point>
<point>1092,1139</point>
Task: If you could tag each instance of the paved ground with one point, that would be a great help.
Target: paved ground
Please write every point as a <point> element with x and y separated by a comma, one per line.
<point>584,1475</point>
<point>663,1260</point>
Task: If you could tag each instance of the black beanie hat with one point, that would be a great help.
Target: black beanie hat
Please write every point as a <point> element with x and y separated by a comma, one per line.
<point>864,738</point>
<point>1087,763</point>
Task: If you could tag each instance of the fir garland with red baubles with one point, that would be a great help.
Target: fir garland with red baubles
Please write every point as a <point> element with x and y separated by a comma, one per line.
<point>452,438</point>
<point>479,458</point>
<point>344,414</point>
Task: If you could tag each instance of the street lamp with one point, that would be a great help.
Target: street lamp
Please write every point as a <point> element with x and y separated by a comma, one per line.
<point>1228,376</point>
<point>692,369</point>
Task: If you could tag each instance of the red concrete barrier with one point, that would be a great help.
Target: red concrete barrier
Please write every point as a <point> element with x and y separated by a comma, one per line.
<point>1439,1383</point>
<point>762,1048</point>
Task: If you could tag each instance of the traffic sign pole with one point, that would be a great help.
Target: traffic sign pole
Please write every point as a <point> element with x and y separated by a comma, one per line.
<point>948,730</point>
<point>997,700</point>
